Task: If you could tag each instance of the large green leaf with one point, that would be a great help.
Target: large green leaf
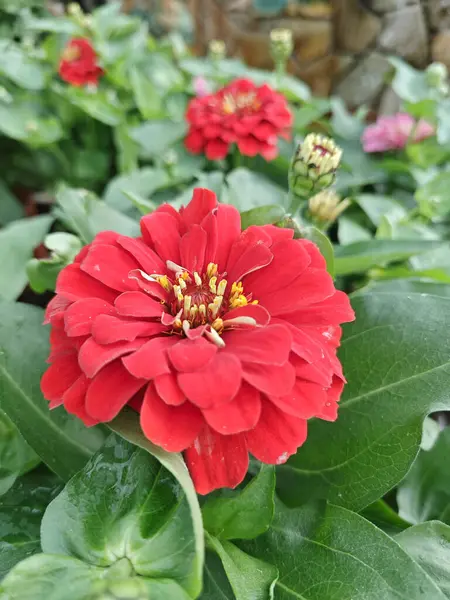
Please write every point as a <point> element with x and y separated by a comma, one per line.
<point>17,242</point>
<point>21,511</point>
<point>59,439</point>
<point>10,208</point>
<point>250,578</point>
<point>16,456</point>
<point>148,97</point>
<point>325,552</point>
<point>424,494</point>
<point>242,514</point>
<point>429,545</point>
<point>155,137</point>
<point>127,425</point>
<point>396,358</point>
<point>361,256</point>
<point>433,197</point>
<point>216,584</point>
<point>377,206</point>
<point>125,504</point>
<point>142,182</point>
<point>20,68</point>
<point>247,190</point>
<point>384,517</point>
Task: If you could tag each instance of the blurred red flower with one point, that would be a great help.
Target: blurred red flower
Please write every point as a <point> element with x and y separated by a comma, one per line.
<point>78,64</point>
<point>224,341</point>
<point>240,113</point>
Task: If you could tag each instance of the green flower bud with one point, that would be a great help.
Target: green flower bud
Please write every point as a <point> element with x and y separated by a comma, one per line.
<point>74,9</point>
<point>436,74</point>
<point>326,206</point>
<point>281,45</point>
<point>216,50</point>
<point>313,167</point>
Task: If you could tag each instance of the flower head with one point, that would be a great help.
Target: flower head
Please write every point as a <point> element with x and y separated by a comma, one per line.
<point>253,117</point>
<point>224,341</point>
<point>394,132</point>
<point>281,44</point>
<point>216,50</point>
<point>78,64</point>
<point>326,206</point>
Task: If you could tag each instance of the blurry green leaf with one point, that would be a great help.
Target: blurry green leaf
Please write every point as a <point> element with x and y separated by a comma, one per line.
<point>443,122</point>
<point>127,149</point>
<point>155,137</point>
<point>396,358</point>
<point>142,182</point>
<point>427,153</point>
<point>429,545</point>
<point>242,514</point>
<point>345,124</point>
<point>143,205</point>
<point>100,104</point>
<point>308,113</point>
<point>264,215</point>
<point>434,197</point>
<point>162,73</point>
<point>10,207</point>
<point>323,243</point>
<point>329,553</point>
<point>247,190</point>
<point>424,494</point>
<point>24,71</point>
<point>361,256</point>
<point>124,493</point>
<point>409,83</point>
<point>17,242</point>
<point>23,122</point>
<point>362,169</point>
<point>146,95</point>
<point>16,457</point>
<point>248,576</point>
<point>350,230</point>
<point>59,439</point>
<point>377,206</point>
<point>21,511</point>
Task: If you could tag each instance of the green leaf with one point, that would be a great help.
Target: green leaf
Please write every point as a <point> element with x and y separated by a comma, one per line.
<point>345,124</point>
<point>127,149</point>
<point>59,439</point>
<point>397,363</point>
<point>146,95</point>
<point>351,231</point>
<point>155,137</point>
<point>215,584</point>
<point>429,545</point>
<point>377,206</point>
<point>21,511</point>
<point>323,243</point>
<point>10,207</point>
<point>433,197</point>
<point>247,190</point>
<point>263,215</point>
<point>142,182</point>
<point>361,256</point>
<point>102,105</point>
<point>125,504</point>
<point>250,578</point>
<point>424,494</point>
<point>325,552</point>
<point>409,83</point>
<point>127,425</point>
<point>17,242</point>
<point>16,456</point>
<point>84,214</point>
<point>384,517</point>
<point>243,514</point>
<point>23,121</point>
<point>19,68</point>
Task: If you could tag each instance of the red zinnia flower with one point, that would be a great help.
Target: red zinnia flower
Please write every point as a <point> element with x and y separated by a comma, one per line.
<point>78,64</point>
<point>240,113</point>
<point>224,341</point>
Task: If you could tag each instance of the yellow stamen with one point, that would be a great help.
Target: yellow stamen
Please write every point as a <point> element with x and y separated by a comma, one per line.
<point>187,305</point>
<point>193,312</point>
<point>185,276</point>
<point>176,290</point>
<point>182,283</point>
<point>197,278</point>
<point>211,270</point>
<point>255,302</point>
<point>218,325</point>
<point>177,323</point>
<point>212,285</point>
<point>222,287</point>
<point>164,282</point>
<point>202,311</point>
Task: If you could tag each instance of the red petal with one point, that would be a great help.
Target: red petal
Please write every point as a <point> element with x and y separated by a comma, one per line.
<point>215,384</point>
<point>254,258</point>
<point>74,400</point>
<point>277,233</point>
<point>149,286</point>
<point>203,202</point>
<point>229,230</point>
<point>194,141</point>
<point>209,225</point>
<point>312,286</point>
<point>148,260</point>
<point>110,390</point>
<point>55,309</point>
<point>269,345</point>
<point>306,400</point>
<point>216,149</point>
<point>111,266</point>
<point>241,414</point>
<point>93,356</point>
<point>317,259</point>
<point>289,261</point>
<point>332,311</point>
<point>216,461</point>
<point>192,355</point>
<point>150,360</point>
<point>163,231</point>
<point>137,304</point>
<point>254,311</point>
<point>270,379</point>
<point>108,330</point>
<point>174,428</point>
<point>192,249</point>
<point>277,435</point>
<point>249,146</point>
<point>167,387</point>
<point>59,377</point>
<point>320,372</point>
<point>73,284</point>
<point>79,317</point>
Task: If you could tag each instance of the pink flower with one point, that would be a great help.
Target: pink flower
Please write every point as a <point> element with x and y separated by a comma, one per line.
<point>393,132</point>
<point>201,87</point>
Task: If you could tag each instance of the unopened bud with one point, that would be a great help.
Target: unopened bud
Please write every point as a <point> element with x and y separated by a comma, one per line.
<point>314,165</point>
<point>326,206</point>
<point>436,73</point>
<point>216,50</point>
<point>74,9</point>
<point>281,44</point>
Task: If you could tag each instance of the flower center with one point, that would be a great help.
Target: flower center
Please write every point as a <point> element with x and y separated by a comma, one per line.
<point>322,150</point>
<point>71,53</point>
<point>197,300</point>
<point>243,101</point>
